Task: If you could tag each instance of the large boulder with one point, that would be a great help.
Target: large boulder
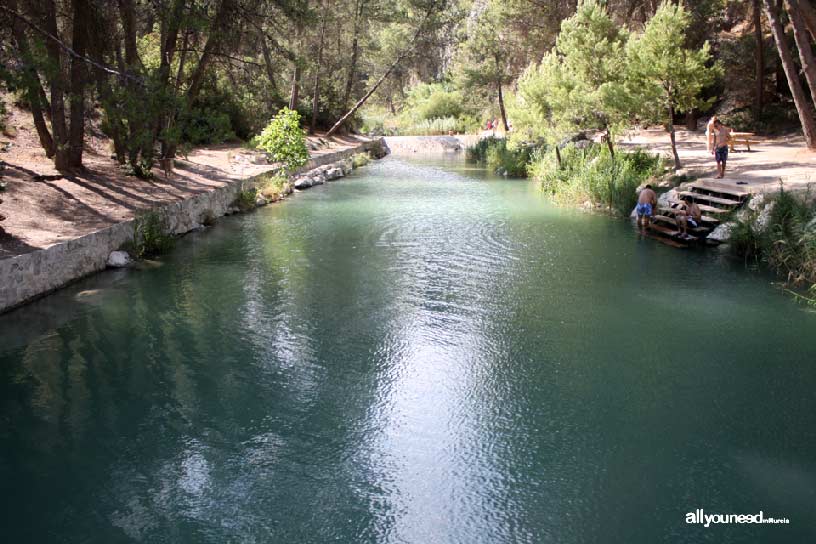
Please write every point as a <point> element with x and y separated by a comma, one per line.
<point>722,233</point>
<point>664,200</point>
<point>303,183</point>
<point>764,217</point>
<point>260,200</point>
<point>119,259</point>
<point>334,173</point>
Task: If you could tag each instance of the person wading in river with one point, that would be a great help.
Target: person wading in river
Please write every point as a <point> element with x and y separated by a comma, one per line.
<point>647,202</point>
<point>722,134</point>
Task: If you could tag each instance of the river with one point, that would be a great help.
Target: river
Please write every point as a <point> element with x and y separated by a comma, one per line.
<point>417,353</point>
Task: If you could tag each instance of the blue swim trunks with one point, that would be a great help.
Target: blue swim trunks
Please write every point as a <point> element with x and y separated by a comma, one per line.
<point>644,209</point>
<point>721,154</point>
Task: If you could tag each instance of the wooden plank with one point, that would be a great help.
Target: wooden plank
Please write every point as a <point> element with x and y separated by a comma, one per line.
<point>720,187</point>
<point>670,221</point>
<point>713,199</point>
<point>705,218</point>
<point>664,230</point>
<point>664,240</point>
<point>712,209</point>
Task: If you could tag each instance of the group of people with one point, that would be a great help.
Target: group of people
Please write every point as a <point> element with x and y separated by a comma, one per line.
<point>686,212</point>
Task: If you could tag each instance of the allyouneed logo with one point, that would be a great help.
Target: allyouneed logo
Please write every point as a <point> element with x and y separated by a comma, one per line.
<point>699,516</point>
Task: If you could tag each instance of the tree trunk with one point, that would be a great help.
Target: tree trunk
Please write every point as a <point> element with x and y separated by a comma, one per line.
<point>501,108</point>
<point>355,51</point>
<point>670,130</point>
<point>799,98</point>
<point>270,68</point>
<point>759,59</point>
<point>609,145</point>
<point>803,44</point>
<point>77,97</point>
<point>59,129</point>
<point>691,120</point>
<point>34,91</point>
<point>557,156</point>
<point>316,93</point>
<point>294,97</point>
<point>809,14</point>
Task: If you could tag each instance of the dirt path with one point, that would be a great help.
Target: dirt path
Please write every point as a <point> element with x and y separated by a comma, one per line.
<point>42,213</point>
<point>775,160</point>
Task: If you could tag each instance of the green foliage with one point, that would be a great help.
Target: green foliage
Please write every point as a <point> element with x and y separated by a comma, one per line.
<point>141,168</point>
<point>593,175</point>
<point>664,75</point>
<point>432,101</point>
<point>273,187</point>
<point>284,140</point>
<point>360,159</point>
<point>774,119</point>
<point>245,200</point>
<point>150,235</point>
<point>787,243</point>
<point>500,157</point>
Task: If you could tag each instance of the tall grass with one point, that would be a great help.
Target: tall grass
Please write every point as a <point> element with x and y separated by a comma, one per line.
<point>787,243</point>
<point>593,174</point>
<point>495,153</point>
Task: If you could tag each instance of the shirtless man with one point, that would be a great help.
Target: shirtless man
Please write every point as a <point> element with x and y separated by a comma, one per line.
<point>688,213</point>
<point>647,202</point>
<point>720,151</point>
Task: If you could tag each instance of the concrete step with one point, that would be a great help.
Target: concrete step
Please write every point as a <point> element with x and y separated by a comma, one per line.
<point>697,231</point>
<point>720,188</point>
<point>706,218</point>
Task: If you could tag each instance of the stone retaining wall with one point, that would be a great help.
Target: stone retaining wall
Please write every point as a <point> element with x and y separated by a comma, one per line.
<point>31,275</point>
<point>410,145</point>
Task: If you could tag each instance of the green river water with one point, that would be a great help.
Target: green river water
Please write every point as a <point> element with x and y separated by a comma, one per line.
<point>415,354</point>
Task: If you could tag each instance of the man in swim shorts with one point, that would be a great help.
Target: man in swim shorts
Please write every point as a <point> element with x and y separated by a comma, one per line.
<point>722,134</point>
<point>687,214</point>
<point>647,202</point>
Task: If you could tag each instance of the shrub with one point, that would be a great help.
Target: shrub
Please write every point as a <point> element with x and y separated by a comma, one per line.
<point>501,157</point>
<point>150,235</point>
<point>360,159</point>
<point>245,200</point>
<point>787,242</point>
<point>272,188</point>
<point>283,139</point>
<point>592,174</point>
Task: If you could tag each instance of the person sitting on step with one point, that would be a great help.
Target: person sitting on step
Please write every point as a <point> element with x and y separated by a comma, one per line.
<point>687,213</point>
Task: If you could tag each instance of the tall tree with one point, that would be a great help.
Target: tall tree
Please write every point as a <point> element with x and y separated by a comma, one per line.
<point>664,76</point>
<point>799,99</point>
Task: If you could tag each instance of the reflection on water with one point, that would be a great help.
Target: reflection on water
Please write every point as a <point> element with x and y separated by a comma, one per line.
<point>414,354</point>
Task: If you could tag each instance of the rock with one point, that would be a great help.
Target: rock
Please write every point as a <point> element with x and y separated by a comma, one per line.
<point>756,201</point>
<point>334,173</point>
<point>761,222</point>
<point>260,201</point>
<point>665,184</point>
<point>665,199</point>
<point>347,165</point>
<point>722,233</point>
<point>119,259</point>
<point>303,183</point>
<point>318,179</point>
<point>196,227</point>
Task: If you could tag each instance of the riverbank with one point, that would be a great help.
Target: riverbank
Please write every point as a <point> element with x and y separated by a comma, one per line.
<point>60,228</point>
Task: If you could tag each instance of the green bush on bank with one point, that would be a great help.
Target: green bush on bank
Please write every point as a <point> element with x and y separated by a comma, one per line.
<point>151,236</point>
<point>500,157</point>
<point>785,239</point>
<point>593,174</point>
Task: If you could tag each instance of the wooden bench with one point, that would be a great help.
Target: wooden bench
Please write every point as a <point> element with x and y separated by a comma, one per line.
<point>742,138</point>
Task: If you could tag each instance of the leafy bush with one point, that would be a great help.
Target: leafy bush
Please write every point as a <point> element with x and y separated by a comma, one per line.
<point>360,159</point>
<point>501,157</point>
<point>150,235</point>
<point>204,125</point>
<point>245,200</point>
<point>592,174</point>
<point>787,243</point>
<point>428,101</point>
<point>283,139</point>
